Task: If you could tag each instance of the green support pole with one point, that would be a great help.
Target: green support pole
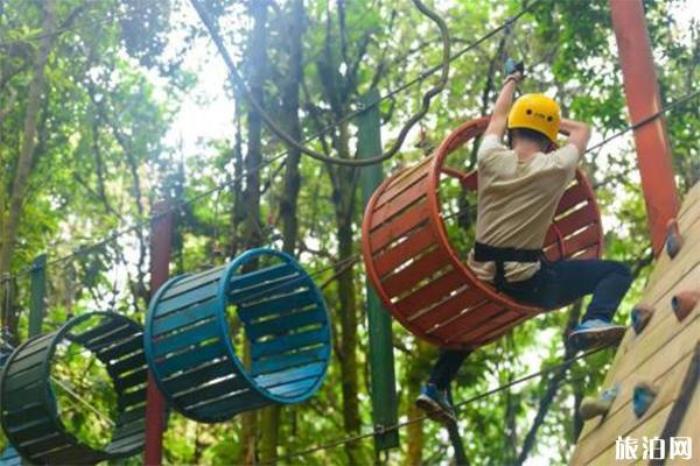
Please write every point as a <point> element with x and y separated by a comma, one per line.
<point>38,292</point>
<point>381,352</point>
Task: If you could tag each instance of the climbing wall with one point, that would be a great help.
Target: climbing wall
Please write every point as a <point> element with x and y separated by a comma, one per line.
<point>656,366</point>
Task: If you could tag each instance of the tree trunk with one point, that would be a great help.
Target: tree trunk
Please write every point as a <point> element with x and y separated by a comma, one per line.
<point>294,31</point>
<point>344,199</point>
<point>414,379</point>
<point>290,115</point>
<point>13,215</point>
<point>252,232</point>
<point>237,211</point>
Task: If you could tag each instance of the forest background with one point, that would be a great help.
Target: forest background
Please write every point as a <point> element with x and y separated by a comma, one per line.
<point>107,107</point>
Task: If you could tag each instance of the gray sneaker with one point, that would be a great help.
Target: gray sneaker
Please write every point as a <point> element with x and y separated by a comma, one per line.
<point>436,404</point>
<point>595,333</point>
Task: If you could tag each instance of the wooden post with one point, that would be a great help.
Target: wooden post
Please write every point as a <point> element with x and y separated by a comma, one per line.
<point>381,351</point>
<point>642,91</point>
<point>161,245</point>
<point>38,293</point>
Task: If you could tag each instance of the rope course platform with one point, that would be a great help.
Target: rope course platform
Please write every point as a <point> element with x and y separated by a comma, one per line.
<point>190,344</point>
<point>421,278</point>
<point>30,412</point>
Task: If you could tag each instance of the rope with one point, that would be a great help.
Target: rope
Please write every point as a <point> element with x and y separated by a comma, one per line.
<point>86,249</point>
<point>239,82</point>
<point>400,425</point>
<point>83,402</point>
<point>649,119</point>
<point>82,250</point>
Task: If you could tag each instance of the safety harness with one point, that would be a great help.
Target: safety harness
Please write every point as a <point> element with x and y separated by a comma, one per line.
<point>485,253</point>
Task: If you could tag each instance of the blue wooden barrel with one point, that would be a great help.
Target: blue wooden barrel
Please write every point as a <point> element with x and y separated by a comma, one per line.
<point>10,457</point>
<point>279,309</point>
<point>28,404</point>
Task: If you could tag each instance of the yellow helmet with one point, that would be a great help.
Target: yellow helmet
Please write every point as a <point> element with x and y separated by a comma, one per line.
<point>536,112</point>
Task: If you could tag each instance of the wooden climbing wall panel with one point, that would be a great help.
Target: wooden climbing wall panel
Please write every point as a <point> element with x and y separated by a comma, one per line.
<point>666,354</point>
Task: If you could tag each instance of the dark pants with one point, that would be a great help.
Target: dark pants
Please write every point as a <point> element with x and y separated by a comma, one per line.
<point>555,285</point>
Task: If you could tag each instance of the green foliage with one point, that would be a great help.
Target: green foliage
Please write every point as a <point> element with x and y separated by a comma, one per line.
<point>106,153</point>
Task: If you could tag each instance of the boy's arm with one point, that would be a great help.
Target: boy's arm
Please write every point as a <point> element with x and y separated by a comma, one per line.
<point>499,118</point>
<point>579,133</point>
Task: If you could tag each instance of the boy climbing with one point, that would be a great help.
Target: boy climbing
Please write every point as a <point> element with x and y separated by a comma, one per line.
<point>520,186</point>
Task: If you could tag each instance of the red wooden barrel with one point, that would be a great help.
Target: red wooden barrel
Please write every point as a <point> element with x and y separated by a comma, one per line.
<point>420,277</point>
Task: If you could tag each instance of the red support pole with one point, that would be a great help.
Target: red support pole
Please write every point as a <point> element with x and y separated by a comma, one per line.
<point>642,91</point>
<point>161,235</point>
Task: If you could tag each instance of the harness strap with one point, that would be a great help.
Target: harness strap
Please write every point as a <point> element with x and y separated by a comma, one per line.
<point>485,253</point>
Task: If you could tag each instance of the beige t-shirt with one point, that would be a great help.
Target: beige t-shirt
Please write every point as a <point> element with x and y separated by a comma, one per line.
<point>517,201</point>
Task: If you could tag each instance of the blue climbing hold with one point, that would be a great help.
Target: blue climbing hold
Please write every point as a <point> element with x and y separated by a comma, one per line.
<point>642,398</point>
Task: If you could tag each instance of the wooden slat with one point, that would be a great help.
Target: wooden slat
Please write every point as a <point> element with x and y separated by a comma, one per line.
<point>573,196</point>
<point>409,174</point>
<point>126,444</point>
<point>133,398</point>
<point>430,293</point>
<point>667,342</point>
<point>407,278</point>
<point>28,377</point>
<point>222,408</point>
<point>202,375</point>
<point>466,322</point>
<point>651,428</point>
<point>191,336</point>
<point>500,323</point>
<point>190,283</point>
<point>496,333</point>
<point>689,215</point>
<point>663,325</point>
<point>261,277</point>
<point>383,234</point>
<point>417,241</point>
<point>185,318</point>
<point>592,252</point>
<point>668,270</point>
<point>691,198</point>
<point>300,358</point>
<point>293,389</point>
<point>34,410</point>
<point>105,341</point>
<point>105,326</point>
<point>582,240</point>
<point>129,363</point>
<point>576,220</point>
<point>409,197</point>
<point>651,364</point>
<point>390,195</point>
<point>127,345</point>
<point>290,342</point>
<point>620,419</point>
<point>125,430</point>
<point>191,298</point>
<point>190,360</point>
<point>251,295</point>
<point>207,392</point>
<point>19,365</point>
<point>132,415</point>
<point>131,379</point>
<point>283,304</point>
<point>288,376</point>
<point>447,310</point>
<point>286,323</point>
